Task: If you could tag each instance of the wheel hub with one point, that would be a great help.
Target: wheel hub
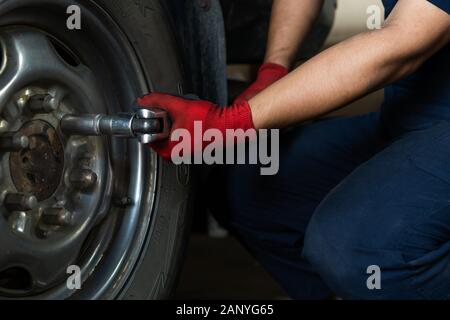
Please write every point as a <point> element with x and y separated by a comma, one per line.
<point>38,169</point>
<point>46,73</point>
<point>51,185</point>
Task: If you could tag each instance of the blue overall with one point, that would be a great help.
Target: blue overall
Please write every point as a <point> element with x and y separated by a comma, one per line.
<point>353,193</point>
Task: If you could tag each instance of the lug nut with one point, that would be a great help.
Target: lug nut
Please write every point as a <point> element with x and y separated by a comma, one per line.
<point>41,103</point>
<point>123,202</point>
<point>20,202</point>
<point>18,222</point>
<point>82,178</point>
<point>13,141</point>
<point>56,217</point>
<point>4,125</point>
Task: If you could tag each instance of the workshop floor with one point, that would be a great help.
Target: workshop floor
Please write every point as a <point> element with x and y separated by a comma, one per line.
<point>222,269</point>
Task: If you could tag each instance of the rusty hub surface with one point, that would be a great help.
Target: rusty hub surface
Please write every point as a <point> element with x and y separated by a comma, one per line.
<point>38,169</point>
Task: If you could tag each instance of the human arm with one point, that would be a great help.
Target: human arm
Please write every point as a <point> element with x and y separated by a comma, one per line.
<point>415,30</point>
<point>290,23</point>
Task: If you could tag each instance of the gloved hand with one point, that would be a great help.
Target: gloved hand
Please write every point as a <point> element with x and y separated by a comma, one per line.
<point>268,74</point>
<point>184,112</point>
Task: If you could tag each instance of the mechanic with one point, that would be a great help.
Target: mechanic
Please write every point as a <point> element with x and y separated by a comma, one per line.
<point>351,193</point>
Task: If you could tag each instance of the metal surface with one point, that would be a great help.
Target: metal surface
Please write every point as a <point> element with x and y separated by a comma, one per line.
<point>82,179</point>
<point>15,141</point>
<point>20,202</point>
<point>69,225</point>
<point>38,168</point>
<point>41,103</point>
<point>146,117</point>
<point>18,221</point>
<point>147,125</point>
<point>56,217</point>
<point>39,171</point>
<point>97,125</point>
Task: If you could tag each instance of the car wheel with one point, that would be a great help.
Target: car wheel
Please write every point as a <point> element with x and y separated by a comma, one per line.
<point>105,206</point>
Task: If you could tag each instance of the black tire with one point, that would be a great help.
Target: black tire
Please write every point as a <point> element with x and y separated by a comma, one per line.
<point>146,22</point>
<point>146,26</point>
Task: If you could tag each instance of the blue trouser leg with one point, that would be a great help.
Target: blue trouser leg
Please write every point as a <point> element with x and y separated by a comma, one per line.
<point>392,212</point>
<point>270,213</point>
<point>361,200</point>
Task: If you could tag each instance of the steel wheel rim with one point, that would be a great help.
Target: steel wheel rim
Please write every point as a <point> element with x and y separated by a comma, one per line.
<point>111,272</point>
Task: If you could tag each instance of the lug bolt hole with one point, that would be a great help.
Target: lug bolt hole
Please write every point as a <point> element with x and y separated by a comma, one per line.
<point>31,178</point>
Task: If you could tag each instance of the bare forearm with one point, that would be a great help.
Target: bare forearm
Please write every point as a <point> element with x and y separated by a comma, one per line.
<point>290,23</point>
<point>337,77</point>
<point>330,80</point>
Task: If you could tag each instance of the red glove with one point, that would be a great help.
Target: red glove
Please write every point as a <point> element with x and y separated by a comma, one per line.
<point>184,112</point>
<point>268,74</point>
